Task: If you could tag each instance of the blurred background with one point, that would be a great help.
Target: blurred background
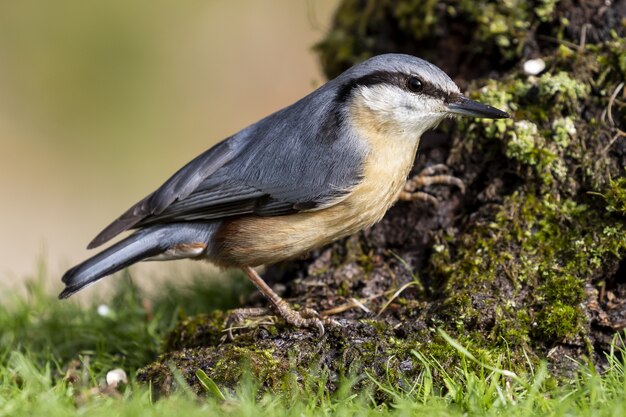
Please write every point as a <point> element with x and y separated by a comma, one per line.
<point>100,102</point>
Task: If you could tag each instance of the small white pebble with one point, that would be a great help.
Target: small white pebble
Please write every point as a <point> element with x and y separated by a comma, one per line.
<point>439,248</point>
<point>104,310</point>
<point>534,66</point>
<point>116,376</point>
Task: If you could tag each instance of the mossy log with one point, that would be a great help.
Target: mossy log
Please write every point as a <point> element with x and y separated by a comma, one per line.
<point>526,265</point>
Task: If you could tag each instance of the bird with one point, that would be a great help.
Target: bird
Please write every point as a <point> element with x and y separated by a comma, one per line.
<point>323,168</point>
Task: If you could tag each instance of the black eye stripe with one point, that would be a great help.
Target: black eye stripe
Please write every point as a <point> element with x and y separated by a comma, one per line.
<point>386,77</point>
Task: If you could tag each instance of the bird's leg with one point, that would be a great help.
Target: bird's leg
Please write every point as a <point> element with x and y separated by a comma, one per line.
<point>306,317</point>
<point>436,174</point>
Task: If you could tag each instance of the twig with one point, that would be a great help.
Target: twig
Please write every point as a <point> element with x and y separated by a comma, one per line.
<point>352,303</point>
<point>396,294</point>
<point>612,100</point>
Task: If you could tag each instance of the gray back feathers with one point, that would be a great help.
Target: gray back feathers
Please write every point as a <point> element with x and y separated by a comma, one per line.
<point>299,158</point>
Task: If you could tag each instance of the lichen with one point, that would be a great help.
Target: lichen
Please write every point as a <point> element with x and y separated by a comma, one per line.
<point>524,143</point>
<point>561,89</point>
<point>563,130</point>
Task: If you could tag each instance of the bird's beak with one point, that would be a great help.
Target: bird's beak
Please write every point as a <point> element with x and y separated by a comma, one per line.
<point>466,107</point>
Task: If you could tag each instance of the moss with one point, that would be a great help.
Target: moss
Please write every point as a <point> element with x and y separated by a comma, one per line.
<point>558,321</point>
<point>500,28</point>
<point>616,196</point>
<point>545,244</point>
<point>544,9</point>
<point>502,23</point>
<point>560,287</point>
<point>200,330</point>
<point>418,17</point>
<point>616,59</point>
<point>513,326</point>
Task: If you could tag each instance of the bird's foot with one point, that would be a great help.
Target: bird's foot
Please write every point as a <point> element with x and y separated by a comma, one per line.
<point>305,317</point>
<point>433,175</point>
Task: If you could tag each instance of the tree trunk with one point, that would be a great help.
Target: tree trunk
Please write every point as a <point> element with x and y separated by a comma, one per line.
<point>527,263</point>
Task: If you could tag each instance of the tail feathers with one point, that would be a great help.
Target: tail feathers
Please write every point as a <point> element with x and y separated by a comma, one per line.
<point>145,243</point>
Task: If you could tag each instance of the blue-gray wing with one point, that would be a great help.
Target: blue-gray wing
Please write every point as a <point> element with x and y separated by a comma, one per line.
<point>179,186</point>
<point>283,164</point>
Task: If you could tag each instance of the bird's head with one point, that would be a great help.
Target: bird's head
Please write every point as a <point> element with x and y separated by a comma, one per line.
<point>405,95</point>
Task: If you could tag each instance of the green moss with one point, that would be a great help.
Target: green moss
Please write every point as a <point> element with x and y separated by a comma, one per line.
<point>200,330</point>
<point>418,17</point>
<point>536,239</point>
<point>502,23</point>
<point>544,9</point>
<point>544,244</point>
<point>552,96</point>
<point>531,140</point>
<point>558,321</point>
<point>616,59</point>
<point>513,326</point>
<point>616,196</point>
<point>560,287</point>
<point>363,28</point>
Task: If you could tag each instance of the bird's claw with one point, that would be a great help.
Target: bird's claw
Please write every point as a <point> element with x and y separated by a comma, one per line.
<point>305,317</point>
<point>432,175</point>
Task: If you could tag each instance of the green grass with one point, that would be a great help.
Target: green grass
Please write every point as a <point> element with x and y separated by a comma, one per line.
<point>41,337</point>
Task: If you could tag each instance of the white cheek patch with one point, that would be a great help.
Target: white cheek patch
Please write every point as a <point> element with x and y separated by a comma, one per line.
<point>430,112</point>
<point>408,112</point>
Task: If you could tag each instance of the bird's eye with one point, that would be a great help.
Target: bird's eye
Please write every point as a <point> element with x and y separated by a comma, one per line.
<point>414,84</point>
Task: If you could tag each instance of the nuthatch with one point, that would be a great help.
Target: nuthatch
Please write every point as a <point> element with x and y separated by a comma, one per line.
<point>323,168</point>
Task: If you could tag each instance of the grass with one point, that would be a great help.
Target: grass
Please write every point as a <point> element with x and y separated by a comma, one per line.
<point>54,357</point>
